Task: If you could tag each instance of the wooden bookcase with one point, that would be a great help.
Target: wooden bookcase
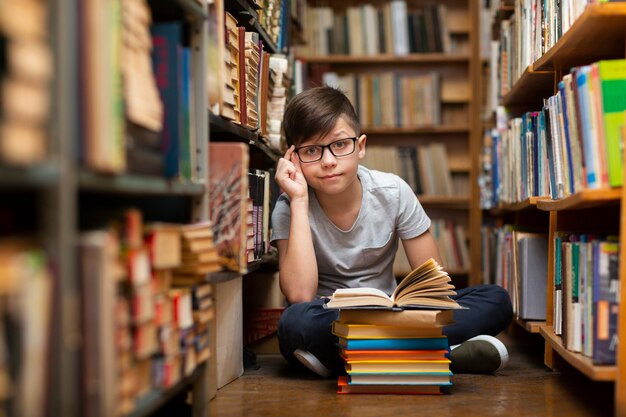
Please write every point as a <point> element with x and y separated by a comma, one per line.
<point>459,70</point>
<point>597,34</point>
<point>60,190</point>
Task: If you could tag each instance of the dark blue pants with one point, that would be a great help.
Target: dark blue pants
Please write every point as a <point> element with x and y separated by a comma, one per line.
<point>307,326</point>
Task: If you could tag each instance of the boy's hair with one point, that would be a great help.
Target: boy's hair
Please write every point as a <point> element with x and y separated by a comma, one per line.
<point>314,112</point>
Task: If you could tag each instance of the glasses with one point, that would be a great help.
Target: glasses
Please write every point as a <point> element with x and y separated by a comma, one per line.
<point>313,153</point>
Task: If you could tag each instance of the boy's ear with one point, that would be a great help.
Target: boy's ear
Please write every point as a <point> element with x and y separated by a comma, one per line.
<point>360,143</point>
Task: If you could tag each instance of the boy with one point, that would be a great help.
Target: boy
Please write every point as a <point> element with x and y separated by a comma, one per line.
<point>337,225</point>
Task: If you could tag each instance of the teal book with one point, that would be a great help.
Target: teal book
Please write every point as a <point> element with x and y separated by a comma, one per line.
<point>426,343</point>
<point>612,76</point>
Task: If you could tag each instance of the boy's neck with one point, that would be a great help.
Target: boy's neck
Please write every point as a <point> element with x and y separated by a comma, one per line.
<point>343,208</point>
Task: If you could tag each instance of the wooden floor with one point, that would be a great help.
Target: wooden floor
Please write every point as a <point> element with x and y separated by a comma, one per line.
<point>525,388</point>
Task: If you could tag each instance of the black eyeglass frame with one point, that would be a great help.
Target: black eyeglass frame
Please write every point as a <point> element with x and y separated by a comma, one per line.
<point>354,139</point>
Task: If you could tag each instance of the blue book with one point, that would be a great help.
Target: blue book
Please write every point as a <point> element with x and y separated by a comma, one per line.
<point>426,343</point>
<point>536,155</point>
<point>186,170</point>
<point>586,133</point>
<point>524,155</point>
<point>568,146</point>
<point>167,61</point>
<point>605,302</point>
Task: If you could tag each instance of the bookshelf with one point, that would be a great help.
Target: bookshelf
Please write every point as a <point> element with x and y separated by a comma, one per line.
<point>59,191</point>
<point>456,65</point>
<point>597,33</point>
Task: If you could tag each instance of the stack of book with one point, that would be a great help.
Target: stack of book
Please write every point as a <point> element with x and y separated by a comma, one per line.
<point>396,345</point>
<point>199,254</point>
<point>142,102</point>
<point>230,100</point>
<point>249,45</point>
<point>279,84</point>
<point>25,80</point>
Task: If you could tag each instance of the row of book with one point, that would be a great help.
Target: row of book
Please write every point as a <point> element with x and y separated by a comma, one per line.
<point>26,73</point>
<point>391,99</point>
<point>240,200</point>
<point>392,28</point>
<point>137,99</point>
<point>424,167</point>
<point>534,27</point>
<point>452,243</point>
<point>572,143</point>
<point>247,84</point>
<point>586,294</point>
<point>517,261</point>
<point>586,284</point>
<point>146,311</point>
<point>26,292</point>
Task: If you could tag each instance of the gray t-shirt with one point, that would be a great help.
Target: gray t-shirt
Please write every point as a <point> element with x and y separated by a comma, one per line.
<point>363,255</point>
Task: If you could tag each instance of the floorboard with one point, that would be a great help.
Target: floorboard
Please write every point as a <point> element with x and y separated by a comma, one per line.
<point>525,388</point>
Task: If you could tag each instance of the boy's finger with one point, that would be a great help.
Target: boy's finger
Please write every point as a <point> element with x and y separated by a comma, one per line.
<point>289,153</point>
<point>296,162</point>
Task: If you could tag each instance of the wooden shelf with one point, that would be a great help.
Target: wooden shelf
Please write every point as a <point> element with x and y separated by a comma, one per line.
<point>531,326</point>
<point>136,184</point>
<point>599,33</point>
<point>248,17</point>
<point>152,401</point>
<point>528,204</point>
<point>529,90</point>
<point>578,361</point>
<point>426,58</point>
<point>427,130</point>
<point>454,202</point>
<point>39,176</point>
<point>224,130</point>
<point>582,200</point>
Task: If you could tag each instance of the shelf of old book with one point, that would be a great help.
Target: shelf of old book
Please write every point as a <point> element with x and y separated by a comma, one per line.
<point>38,176</point>
<point>582,200</point>
<point>247,16</point>
<point>531,326</point>
<point>577,360</point>
<point>421,58</point>
<point>502,13</point>
<point>529,90</point>
<point>458,202</point>
<point>136,184</point>
<point>229,130</point>
<point>152,401</point>
<point>426,130</point>
<point>177,9</point>
<point>597,34</point>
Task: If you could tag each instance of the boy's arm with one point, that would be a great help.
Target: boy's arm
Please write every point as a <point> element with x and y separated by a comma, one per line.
<point>421,248</point>
<point>296,256</point>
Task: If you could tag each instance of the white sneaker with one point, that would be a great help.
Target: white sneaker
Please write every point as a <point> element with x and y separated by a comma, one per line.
<point>310,361</point>
<point>479,355</point>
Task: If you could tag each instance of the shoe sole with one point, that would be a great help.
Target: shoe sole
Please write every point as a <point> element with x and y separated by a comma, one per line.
<point>312,363</point>
<point>502,351</point>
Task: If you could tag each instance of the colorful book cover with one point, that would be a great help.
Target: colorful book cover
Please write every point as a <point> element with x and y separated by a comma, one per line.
<point>228,198</point>
<point>167,59</point>
<point>613,89</point>
<point>435,343</point>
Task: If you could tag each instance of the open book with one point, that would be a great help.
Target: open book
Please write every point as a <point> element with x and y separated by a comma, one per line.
<point>427,286</point>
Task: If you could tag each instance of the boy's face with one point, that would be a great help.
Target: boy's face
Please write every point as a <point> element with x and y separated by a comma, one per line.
<point>332,174</point>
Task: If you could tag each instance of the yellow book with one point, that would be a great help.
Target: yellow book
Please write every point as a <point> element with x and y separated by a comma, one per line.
<point>374,331</point>
<point>387,367</point>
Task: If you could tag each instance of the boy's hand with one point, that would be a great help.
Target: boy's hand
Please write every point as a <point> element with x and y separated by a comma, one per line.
<point>289,176</point>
